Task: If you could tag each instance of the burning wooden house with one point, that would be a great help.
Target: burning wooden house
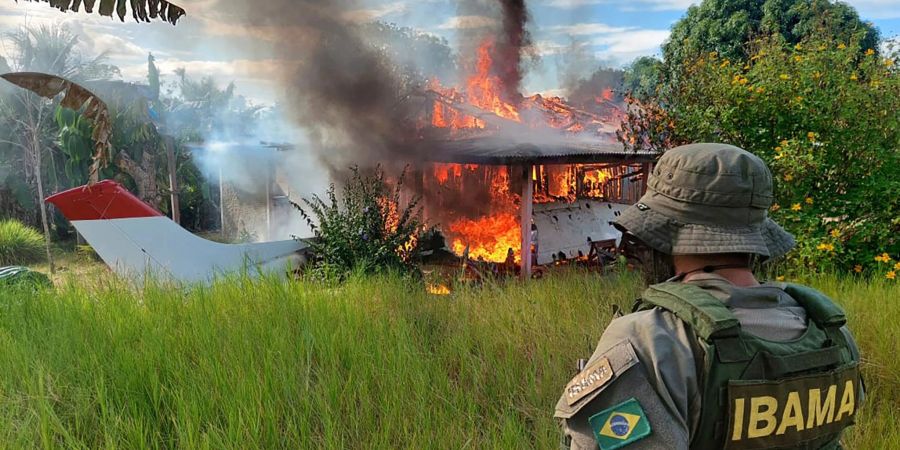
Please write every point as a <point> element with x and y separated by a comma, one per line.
<point>532,173</point>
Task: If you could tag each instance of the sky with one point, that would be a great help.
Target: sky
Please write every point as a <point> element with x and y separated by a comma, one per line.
<point>609,32</point>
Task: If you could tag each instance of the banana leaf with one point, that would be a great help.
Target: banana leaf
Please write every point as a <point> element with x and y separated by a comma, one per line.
<point>141,10</point>
<point>76,97</point>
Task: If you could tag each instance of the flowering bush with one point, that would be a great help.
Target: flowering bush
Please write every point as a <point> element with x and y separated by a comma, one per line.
<point>824,115</point>
<point>368,229</point>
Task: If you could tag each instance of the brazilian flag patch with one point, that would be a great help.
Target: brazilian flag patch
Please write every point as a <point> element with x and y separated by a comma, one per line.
<point>620,425</point>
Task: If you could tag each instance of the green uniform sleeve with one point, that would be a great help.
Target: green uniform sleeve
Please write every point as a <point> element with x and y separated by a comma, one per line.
<point>662,379</point>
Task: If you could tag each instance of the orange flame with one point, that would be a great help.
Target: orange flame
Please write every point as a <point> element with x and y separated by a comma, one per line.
<point>492,236</point>
<point>437,289</point>
<point>488,238</point>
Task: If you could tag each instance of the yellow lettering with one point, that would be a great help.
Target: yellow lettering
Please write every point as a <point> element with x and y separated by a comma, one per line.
<point>737,433</point>
<point>792,415</point>
<point>848,401</point>
<point>758,414</point>
<point>820,412</point>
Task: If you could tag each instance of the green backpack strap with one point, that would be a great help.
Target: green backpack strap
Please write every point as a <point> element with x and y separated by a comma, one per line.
<point>706,314</point>
<point>821,309</point>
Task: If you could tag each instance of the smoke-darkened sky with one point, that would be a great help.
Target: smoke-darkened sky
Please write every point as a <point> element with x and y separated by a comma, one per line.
<point>213,42</point>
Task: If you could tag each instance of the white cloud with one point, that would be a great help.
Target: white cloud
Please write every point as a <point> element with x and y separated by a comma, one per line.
<point>255,79</point>
<point>583,29</point>
<point>628,45</point>
<point>467,22</point>
<point>370,14</point>
<point>877,9</point>
<point>653,5</point>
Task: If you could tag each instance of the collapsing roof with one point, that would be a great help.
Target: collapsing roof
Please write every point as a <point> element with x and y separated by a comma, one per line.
<point>533,148</point>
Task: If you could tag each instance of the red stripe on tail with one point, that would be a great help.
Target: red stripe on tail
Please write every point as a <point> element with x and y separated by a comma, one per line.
<point>104,200</point>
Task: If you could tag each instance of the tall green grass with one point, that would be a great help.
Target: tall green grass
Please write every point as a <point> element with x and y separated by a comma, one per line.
<point>374,363</point>
<point>19,244</point>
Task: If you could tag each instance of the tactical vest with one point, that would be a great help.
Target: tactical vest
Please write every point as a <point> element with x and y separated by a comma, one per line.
<point>757,393</point>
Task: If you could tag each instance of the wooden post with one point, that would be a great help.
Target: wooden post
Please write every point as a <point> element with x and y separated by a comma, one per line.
<point>647,168</point>
<point>525,219</point>
<point>269,169</point>
<point>222,202</point>
<point>173,179</point>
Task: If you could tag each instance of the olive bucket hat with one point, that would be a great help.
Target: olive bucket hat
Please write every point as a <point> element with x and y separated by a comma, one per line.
<point>708,198</point>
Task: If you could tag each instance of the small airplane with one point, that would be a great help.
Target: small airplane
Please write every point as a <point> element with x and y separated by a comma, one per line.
<point>135,240</point>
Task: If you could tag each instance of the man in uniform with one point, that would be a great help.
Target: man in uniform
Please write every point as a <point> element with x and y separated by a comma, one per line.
<point>712,358</point>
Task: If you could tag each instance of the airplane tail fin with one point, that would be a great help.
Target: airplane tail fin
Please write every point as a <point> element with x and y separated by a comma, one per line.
<point>135,240</point>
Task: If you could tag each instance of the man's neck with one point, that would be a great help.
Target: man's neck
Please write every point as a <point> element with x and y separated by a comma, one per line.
<point>693,266</point>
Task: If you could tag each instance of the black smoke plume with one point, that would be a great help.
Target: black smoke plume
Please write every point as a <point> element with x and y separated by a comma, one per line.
<point>509,51</point>
<point>346,94</point>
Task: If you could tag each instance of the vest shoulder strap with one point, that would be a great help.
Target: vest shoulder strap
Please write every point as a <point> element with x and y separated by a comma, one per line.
<point>706,314</point>
<point>821,309</point>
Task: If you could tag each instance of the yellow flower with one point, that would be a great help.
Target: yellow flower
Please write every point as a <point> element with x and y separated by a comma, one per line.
<point>889,62</point>
<point>744,80</point>
<point>779,156</point>
<point>870,52</point>
<point>897,266</point>
<point>841,46</point>
<point>779,278</point>
<point>725,63</point>
<point>798,47</point>
<point>891,275</point>
<point>854,77</point>
<point>798,99</point>
<point>778,149</point>
<point>798,58</point>
<point>817,75</point>
<point>776,207</point>
<point>825,247</point>
<point>789,177</point>
<point>784,143</point>
<point>760,90</point>
<point>835,233</point>
<point>713,55</point>
<point>796,207</point>
<point>811,136</point>
<point>884,257</point>
<point>808,200</point>
<point>784,76</point>
<point>857,268</point>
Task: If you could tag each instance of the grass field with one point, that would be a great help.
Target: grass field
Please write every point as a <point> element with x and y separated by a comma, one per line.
<point>374,363</point>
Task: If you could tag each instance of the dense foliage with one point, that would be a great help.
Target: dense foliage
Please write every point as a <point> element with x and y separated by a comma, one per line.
<point>369,228</point>
<point>19,244</point>
<point>824,114</point>
<point>726,26</point>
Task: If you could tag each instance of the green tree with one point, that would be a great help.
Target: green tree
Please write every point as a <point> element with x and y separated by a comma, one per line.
<point>642,78</point>
<point>727,26</point>
<point>824,114</point>
<point>29,130</point>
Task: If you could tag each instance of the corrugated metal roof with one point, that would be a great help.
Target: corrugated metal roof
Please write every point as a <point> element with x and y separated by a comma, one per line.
<point>531,148</point>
